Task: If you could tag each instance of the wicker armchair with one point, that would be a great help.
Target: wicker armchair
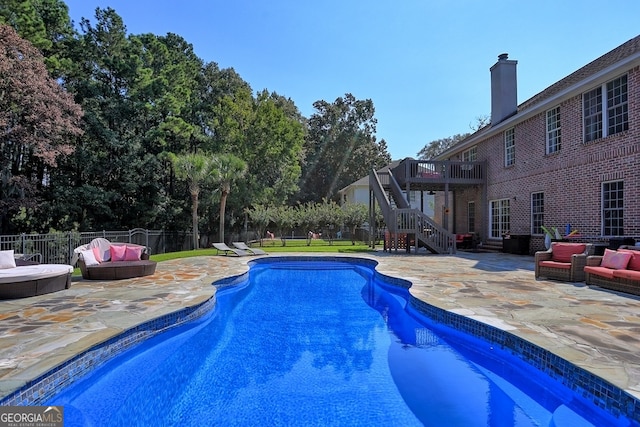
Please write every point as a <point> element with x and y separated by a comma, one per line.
<point>563,261</point>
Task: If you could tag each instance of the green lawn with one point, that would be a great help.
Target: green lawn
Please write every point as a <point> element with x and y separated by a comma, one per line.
<point>275,246</point>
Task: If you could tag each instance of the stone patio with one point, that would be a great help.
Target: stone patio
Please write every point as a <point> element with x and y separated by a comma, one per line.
<point>595,329</point>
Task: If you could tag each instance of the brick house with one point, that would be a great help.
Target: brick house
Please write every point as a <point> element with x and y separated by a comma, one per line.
<point>568,155</point>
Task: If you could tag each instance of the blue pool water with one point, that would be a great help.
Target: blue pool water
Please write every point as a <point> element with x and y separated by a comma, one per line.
<point>319,343</point>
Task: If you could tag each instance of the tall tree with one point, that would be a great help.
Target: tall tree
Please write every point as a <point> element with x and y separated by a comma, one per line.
<point>196,170</point>
<point>273,151</point>
<point>38,125</point>
<point>227,170</point>
<point>46,24</point>
<point>111,173</point>
<point>434,148</point>
<point>341,147</point>
<point>438,146</point>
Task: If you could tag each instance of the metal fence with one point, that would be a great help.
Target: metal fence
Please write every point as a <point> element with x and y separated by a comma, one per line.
<point>57,248</point>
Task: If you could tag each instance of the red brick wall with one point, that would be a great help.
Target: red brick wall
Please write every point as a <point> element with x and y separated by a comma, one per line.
<point>570,178</point>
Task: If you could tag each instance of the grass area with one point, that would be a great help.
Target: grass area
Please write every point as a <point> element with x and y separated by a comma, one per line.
<point>274,246</point>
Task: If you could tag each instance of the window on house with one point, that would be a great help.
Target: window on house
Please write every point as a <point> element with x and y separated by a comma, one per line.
<point>612,109</point>
<point>617,107</point>
<point>471,217</point>
<point>500,218</point>
<point>471,155</point>
<point>509,147</point>
<point>537,213</point>
<point>612,208</point>
<point>553,130</point>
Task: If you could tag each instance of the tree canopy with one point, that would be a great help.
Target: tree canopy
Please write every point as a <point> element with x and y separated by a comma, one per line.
<point>94,117</point>
<point>341,147</point>
<point>39,123</point>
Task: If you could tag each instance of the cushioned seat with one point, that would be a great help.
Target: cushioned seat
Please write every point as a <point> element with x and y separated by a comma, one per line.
<point>563,261</point>
<point>104,260</point>
<point>20,279</point>
<point>600,271</point>
<point>616,270</point>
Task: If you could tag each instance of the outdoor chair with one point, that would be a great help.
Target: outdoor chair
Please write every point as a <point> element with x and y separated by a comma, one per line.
<point>222,247</point>
<point>244,247</point>
<point>101,259</point>
<point>563,261</point>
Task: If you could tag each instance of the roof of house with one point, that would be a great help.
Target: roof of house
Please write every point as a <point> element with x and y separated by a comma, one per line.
<point>609,59</point>
<point>616,55</point>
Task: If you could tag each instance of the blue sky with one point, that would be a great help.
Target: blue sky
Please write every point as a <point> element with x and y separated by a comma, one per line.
<point>424,63</point>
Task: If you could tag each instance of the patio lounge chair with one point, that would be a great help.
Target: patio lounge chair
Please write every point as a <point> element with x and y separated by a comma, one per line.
<point>21,278</point>
<point>243,247</point>
<point>563,261</point>
<point>222,247</point>
<point>101,259</point>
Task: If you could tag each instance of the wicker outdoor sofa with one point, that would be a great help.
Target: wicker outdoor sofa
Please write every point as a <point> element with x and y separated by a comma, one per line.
<point>624,277</point>
<point>22,279</point>
<point>104,260</point>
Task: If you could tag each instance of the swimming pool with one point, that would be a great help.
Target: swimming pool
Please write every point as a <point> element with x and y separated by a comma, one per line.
<point>297,343</point>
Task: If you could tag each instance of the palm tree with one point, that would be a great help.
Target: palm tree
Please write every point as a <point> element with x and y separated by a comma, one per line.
<point>226,169</point>
<point>196,170</point>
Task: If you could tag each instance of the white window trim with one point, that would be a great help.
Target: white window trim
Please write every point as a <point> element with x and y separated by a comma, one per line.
<point>602,210</point>
<point>510,150</point>
<point>604,113</point>
<point>532,213</point>
<point>503,229</point>
<point>558,130</point>
<point>470,155</point>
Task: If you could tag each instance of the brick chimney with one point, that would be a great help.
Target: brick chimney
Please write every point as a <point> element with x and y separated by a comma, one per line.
<point>504,91</point>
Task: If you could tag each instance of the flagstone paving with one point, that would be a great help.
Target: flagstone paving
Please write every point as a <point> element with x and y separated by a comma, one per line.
<point>593,328</point>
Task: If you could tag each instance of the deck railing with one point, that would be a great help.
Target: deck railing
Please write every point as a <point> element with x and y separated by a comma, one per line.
<point>409,221</point>
<point>440,171</point>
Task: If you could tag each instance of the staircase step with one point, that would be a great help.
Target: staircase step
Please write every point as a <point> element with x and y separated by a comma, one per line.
<point>490,246</point>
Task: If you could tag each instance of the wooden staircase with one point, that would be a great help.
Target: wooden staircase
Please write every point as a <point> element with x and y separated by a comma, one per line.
<point>404,222</point>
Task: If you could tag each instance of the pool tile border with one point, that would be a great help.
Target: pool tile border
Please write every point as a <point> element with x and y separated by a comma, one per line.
<point>591,387</point>
<point>39,390</point>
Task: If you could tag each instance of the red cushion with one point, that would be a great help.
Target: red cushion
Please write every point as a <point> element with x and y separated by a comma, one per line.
<point>555,264</point>
<point>627,274</point>
<point>562,252</point>
<point>599,271</point>
<point>132,253</point>
<point>614,259</point>
<point>117,252</point>
<point>634,262</point>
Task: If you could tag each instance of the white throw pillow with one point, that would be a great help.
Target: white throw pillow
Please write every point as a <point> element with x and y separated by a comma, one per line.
<point>89,258</point>
<point>7,260</point>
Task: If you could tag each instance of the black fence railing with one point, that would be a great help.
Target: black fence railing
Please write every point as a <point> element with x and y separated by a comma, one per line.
<point>57,248</point>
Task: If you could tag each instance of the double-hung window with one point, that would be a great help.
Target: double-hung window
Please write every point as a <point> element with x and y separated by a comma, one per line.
<point>509,147</point>
<point>605,109</point>
<point>553,130</point>
<point>537,213</point>
<point>612,208</point>
<point>470,155</point>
